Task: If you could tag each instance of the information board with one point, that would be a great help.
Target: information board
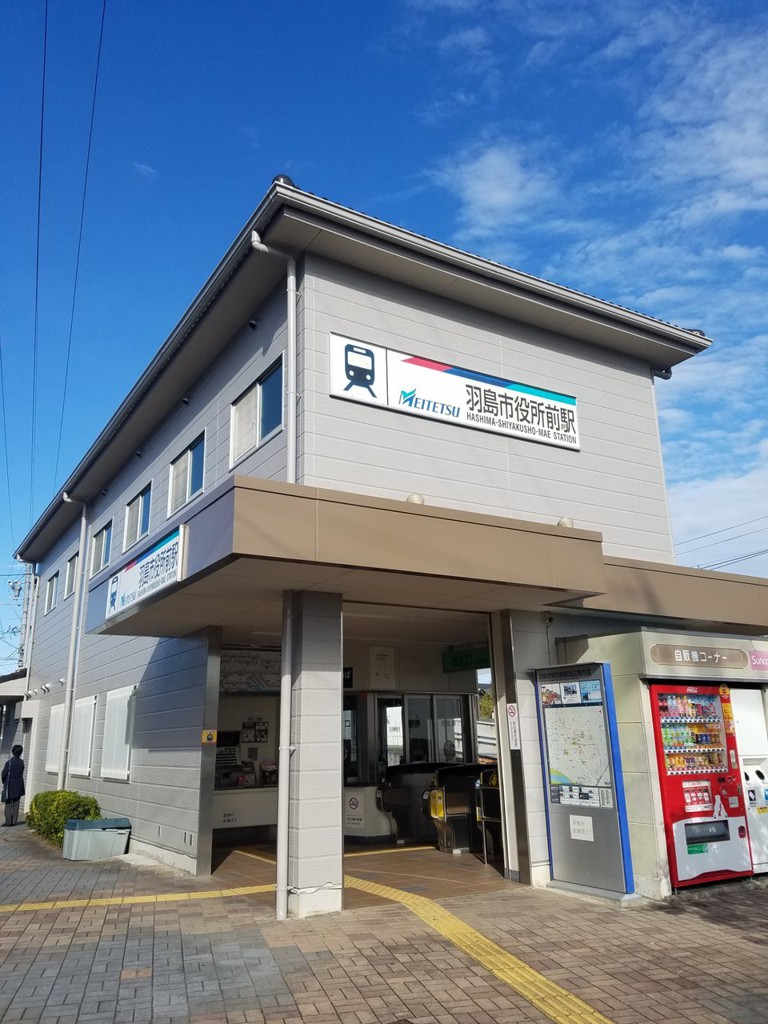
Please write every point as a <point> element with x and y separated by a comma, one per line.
<point>586,819</point>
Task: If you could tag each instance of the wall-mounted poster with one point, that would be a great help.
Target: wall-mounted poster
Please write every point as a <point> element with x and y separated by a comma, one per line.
<point>255,730</point>
<point>244,670</point>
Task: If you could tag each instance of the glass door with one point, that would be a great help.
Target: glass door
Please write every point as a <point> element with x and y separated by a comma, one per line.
<point>419,738</point>
<point>390,727</point>
<point>349,736</point>
<point>450,728</point>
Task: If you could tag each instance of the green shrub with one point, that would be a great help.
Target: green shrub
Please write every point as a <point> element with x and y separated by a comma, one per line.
<point>487,705</point>
<point>50,811</point>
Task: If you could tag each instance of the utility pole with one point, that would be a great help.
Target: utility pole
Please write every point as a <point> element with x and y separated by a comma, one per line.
<point>12,634</point>
<point>25,610</point>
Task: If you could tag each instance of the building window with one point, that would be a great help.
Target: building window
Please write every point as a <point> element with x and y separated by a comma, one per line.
<point>137,517</point>
<point>51,592</point>
<point>55,735</point>
<point>71,576</point>
<point>118,734</point>
<point>187,475</point>
<point>100,548</point>
<point>258,414</point>
<point>81,736</point>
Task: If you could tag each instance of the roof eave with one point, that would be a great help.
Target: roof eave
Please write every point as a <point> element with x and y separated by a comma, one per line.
<point>676,343</point>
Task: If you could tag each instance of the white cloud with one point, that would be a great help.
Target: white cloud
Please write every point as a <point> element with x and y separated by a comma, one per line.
<point>145,171</point>
<point>475,41</point>
<point>498,185</point>
<point>451,6</point>
<point>712,416</point>
<point>446,106</point>
<point>704,507</point>
<point>638,27</point>
<point>675,190</point>
<point>707,123</point>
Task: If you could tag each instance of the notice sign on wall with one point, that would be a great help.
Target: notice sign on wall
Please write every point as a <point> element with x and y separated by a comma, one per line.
<point>513,726</point>
<point>366,373</point>
<point>247,670</point>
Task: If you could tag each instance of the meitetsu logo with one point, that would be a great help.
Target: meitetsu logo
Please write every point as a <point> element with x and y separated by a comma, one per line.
<point>412,401</point>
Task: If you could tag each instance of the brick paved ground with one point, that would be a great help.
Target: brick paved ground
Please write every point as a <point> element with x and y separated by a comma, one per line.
<point>700,959</point>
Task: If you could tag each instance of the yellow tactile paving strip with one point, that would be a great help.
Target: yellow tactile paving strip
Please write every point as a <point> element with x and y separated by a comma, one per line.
<point>558,1004</point>
<point>561,1006</point>
<point>125,901</point>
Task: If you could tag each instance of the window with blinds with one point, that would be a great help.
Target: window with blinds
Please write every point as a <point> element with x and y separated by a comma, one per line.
<point>55,734</point>
<point>186,475</point>
<point>257,415</point>
<point>100,548</point>
<point>118,734</point>
<point>81,736</point>
<point>137,517</point>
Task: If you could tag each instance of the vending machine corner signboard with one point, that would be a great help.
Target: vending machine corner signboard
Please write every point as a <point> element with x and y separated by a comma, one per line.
<point>701,790</point>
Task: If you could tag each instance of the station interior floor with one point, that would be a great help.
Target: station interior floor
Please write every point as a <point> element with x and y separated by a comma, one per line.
<point>421,869</point>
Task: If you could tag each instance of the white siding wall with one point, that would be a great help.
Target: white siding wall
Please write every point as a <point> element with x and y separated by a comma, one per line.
<point>614,484</point>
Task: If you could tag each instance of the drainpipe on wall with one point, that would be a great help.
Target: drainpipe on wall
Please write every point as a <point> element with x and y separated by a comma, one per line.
<point>284,751</point>
<point>291,405</point>
<point>74,635</point>
<point>286,675</point>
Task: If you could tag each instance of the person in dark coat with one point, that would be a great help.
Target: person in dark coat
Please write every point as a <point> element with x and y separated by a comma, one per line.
<point>13,785</point>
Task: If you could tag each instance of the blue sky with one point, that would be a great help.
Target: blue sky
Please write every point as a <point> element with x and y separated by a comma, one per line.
<point>620,148</point>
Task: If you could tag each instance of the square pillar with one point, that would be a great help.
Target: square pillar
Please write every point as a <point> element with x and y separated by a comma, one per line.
<point>517,860</point>
<point>315,835</point>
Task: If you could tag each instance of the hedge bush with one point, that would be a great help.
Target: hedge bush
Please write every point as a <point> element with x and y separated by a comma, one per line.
<point>50,811</point>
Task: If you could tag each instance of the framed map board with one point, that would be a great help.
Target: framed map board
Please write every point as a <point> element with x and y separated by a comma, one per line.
<point>581,762</point>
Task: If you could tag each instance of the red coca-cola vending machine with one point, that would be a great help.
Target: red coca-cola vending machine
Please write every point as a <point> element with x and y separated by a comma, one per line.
<point>701,790</point>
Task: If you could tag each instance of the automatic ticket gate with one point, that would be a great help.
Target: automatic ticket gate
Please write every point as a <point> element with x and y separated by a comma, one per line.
<point>452,806</point>
<point>404,795</point>
<point>456,805</point>
<point>488,813</point>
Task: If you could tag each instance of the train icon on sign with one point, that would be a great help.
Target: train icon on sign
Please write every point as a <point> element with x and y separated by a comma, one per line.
<point>360,368</point>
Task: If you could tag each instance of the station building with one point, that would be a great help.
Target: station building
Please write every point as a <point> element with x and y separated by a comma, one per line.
<point>360,460</point>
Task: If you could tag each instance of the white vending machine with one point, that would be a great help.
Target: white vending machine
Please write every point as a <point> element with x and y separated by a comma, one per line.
<point>749,713</point>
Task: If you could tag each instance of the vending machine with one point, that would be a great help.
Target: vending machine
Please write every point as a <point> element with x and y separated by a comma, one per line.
<point>701,787</point>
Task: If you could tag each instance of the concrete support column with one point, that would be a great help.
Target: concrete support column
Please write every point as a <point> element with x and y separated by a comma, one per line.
<point>204,862</point>
<point>517,860</point>
<point>315,837</point>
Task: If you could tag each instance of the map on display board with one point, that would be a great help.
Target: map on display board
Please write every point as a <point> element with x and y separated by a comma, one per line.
<point>578,757</point>
<point>578,751</point>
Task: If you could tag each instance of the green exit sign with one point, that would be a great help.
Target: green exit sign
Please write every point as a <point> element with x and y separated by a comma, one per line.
<point>459,659</point>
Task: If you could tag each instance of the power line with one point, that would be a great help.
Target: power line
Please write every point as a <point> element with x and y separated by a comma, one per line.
<point>37,267</point>
<point>79,241</point>
<point>726,540</point>
<point>733,561</point>
<point>725,529</point>
<point>5,444</point>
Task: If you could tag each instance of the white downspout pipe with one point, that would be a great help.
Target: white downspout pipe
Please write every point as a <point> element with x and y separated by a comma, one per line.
<point>286,676</point>
<point>284,763</point>
<point>291,403</point>
<point>74,634</point>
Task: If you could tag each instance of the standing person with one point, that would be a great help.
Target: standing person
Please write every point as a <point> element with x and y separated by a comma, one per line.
<point>13,785</point>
